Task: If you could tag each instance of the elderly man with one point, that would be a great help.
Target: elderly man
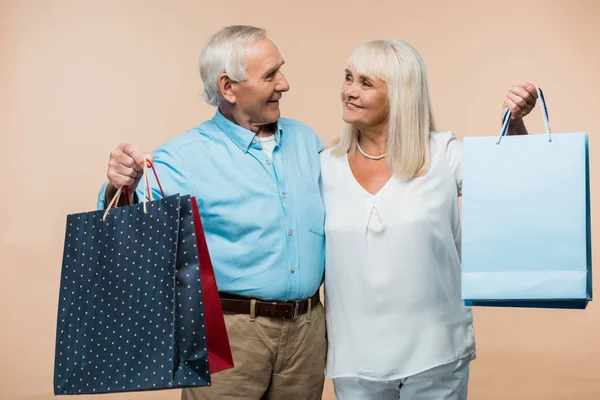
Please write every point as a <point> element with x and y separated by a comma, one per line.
<point>256,177</point>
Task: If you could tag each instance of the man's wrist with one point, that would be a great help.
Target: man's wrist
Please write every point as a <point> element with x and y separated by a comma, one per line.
<point>111,191</point>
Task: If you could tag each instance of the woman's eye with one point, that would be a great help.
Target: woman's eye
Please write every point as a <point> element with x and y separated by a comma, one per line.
<point>348,78</point>
<point>367,84</point>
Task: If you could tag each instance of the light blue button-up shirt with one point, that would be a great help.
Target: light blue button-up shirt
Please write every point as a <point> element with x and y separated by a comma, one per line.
<point>263,217</point>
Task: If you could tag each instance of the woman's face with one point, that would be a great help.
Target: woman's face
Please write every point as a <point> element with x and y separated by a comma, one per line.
<point>364,100</point>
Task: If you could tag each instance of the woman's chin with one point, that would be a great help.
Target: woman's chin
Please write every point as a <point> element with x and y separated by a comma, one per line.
<point>348,118</point>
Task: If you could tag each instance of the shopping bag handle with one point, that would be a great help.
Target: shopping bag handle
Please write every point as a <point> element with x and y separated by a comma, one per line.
<point>507,114</point>
<point>147,190</point>
<point>151,164</point>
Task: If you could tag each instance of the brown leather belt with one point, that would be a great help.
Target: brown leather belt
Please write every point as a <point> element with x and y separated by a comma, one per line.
<point>274,309</point>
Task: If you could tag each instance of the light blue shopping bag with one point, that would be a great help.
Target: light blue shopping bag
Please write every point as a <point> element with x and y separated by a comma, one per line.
<point>526,238</point>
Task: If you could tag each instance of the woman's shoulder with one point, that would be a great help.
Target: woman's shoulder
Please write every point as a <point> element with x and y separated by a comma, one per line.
<point>329,155</point>
<point>446,141</point>
<point>332,163</point>
<point>443,137</point>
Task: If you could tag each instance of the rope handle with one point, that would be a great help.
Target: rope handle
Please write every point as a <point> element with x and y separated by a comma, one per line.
<point>147,190</point>
<point>507,114</point>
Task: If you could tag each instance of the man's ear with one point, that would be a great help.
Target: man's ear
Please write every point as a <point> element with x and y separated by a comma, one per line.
<point>226,88</point>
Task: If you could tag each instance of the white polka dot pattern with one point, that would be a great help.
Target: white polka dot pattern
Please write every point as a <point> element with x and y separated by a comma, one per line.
<point>130,311</point>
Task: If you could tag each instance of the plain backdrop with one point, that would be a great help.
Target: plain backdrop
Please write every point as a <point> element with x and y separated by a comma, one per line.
<point>79,77</point>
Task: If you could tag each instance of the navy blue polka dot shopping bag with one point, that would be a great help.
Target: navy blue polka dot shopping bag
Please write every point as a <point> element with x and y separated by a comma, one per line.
<point>138,307</point>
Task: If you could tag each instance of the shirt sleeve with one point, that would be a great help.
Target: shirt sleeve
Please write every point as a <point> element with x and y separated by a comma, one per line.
<point>320,146</point>
<point>454,154</point>
<point>101,203</point>
<point>172,174</point>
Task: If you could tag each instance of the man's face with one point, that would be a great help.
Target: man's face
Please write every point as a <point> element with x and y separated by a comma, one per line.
<point>257,98</point>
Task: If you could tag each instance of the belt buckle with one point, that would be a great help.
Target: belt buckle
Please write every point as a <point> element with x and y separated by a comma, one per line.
<point>296,307</point>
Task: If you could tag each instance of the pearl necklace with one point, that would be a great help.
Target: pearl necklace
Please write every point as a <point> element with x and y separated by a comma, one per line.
<point>367,155</point>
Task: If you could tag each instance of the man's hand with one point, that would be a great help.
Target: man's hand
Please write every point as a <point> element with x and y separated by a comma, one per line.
<point>520,99</point>
<point>125,168</point>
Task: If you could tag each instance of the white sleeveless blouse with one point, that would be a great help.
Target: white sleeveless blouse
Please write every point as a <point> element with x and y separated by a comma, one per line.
<point>392,277</point>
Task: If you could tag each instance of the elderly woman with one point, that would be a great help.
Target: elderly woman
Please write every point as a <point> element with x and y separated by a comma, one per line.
<point>396,324</point>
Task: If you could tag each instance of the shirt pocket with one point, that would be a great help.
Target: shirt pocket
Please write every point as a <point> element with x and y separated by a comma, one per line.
<point>312,235</point>
<point>315,210</point>
<point>316,219</point>
<point>317,229</point>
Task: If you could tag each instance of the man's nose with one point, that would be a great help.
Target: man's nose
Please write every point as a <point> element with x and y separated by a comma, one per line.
<point>282,85</point>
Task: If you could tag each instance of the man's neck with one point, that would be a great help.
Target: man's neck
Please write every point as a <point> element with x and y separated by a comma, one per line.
<point>263,130</point>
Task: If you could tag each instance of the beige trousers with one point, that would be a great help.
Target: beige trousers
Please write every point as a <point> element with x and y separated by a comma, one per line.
<point>274,359</point>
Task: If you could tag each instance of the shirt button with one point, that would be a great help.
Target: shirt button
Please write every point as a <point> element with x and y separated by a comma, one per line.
<point>254,140</point>
<point>290,232</point>
<point>284,195</point>
<point>244,149</point>
<point>293,270</point>
<point>268,162</point>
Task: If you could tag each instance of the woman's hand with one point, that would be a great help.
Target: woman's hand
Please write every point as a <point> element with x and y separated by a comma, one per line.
<point>520,100</point>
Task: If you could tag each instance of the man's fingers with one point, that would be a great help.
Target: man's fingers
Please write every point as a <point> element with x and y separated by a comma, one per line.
<point>125,166</point>
<point>148,156</point>
<point>117,157</point>
<point>119,180</point>
<point>133,152</point>
<point>126,171</point>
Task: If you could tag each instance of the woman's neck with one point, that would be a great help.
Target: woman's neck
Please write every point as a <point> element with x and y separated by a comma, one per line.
<point>373,141</point>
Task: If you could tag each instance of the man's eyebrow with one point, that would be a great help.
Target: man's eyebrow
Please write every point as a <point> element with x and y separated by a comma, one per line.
<point>275,68</point>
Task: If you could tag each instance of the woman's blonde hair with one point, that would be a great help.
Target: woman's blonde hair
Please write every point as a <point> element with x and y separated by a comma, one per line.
<point>410,116</point>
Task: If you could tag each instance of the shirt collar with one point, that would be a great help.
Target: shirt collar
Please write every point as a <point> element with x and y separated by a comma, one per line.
<point>241,137</point>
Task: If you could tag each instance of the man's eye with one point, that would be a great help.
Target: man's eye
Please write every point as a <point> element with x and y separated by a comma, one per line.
<point>348,78</point>
<point>367,84</point>
<point>271,76</point>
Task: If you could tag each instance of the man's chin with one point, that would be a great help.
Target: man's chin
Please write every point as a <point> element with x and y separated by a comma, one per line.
<point>269,119</point>
<point>273,116</point>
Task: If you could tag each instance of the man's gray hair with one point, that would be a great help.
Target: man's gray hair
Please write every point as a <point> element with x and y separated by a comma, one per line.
<point>225,52</point>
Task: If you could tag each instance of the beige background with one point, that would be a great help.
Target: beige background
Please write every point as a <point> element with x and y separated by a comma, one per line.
<point>78,77</point>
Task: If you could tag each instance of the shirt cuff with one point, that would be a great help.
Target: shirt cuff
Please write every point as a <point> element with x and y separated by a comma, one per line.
<point>102,203</point>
